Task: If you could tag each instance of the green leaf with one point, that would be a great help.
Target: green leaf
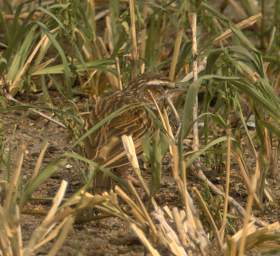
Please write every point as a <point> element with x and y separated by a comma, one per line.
<point>154,149</point>
<point>45,174</point>
<point>59,69</point>
<point>56,44</point>
<point>21,55</point>
<point>243,38</point>
<point>97,167</point>
<point>198,153</point>
<point>46,11</point>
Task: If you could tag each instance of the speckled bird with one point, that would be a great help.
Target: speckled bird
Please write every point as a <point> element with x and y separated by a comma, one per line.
<point>105,145</point>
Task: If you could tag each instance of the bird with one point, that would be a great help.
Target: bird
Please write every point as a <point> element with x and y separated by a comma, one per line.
<point>104,146</point>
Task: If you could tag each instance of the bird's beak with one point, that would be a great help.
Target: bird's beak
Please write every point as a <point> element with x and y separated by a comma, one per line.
<point>177,91</point>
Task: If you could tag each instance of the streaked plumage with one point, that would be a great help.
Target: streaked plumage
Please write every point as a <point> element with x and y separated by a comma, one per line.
<point>105,145</point>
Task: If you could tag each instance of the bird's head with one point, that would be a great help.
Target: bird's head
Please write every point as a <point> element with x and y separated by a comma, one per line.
<point>157,86</point>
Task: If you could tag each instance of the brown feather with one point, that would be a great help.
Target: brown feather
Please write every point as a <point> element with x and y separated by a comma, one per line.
<point>105,145</point>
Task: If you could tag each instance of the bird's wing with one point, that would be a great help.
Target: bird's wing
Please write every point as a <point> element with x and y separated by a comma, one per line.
<point>108,148</point>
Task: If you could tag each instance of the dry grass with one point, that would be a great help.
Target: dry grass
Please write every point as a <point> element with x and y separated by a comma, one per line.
<point>85,49</point>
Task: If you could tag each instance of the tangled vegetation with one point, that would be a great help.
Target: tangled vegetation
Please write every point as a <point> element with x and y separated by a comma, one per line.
<point>218,149</point>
